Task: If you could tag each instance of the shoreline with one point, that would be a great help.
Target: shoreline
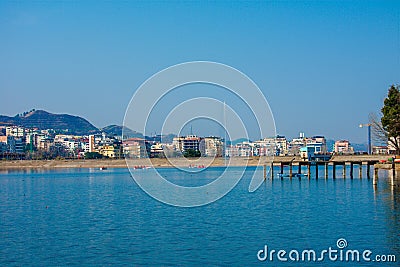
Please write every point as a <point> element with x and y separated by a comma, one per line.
<point>163,163</point>
<point>121,163</point>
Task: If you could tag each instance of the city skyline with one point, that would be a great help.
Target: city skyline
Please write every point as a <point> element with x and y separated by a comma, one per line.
<point>212,130</point>
<point>323,67</point>
<point>30,142</point>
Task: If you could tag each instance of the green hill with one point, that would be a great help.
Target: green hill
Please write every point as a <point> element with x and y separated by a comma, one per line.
<point>44,120</point>
<point>116,130</point>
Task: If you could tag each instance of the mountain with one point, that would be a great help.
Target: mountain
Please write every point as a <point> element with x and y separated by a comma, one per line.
<point>168,138</point>
<point>116,130</point>
<point>360,147</point>
<point>44,120</point>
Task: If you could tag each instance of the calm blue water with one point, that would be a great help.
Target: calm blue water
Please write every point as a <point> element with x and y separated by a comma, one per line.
<point>87,217</point>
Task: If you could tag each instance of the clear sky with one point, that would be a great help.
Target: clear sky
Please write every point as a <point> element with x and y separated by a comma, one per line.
<point>322,65</point>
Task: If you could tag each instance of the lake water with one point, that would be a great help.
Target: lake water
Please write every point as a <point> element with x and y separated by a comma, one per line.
<point>87,217</point>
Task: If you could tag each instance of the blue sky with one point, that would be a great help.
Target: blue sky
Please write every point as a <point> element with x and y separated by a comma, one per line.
<point>322,65</point>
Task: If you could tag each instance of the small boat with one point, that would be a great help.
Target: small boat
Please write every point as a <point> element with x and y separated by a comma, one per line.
<point>296,175</point>
<point>300,175</point>
<point>196,166</point>
<point>141,167</point>
<point>103,168</point>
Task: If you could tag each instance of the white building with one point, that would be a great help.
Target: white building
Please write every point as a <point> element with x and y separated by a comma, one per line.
<point>211,147</point>
<point>135,148</point>
<point>391,147</point>
<point>15,131</point>
<point>343,147</point>
<point>272,146</point>
<point>84,145</point>
<point>319,142</point>
<point>380,150</point>
<point>232,151</point>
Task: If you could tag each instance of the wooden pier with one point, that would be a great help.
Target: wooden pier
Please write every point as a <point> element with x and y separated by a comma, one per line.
<point>298,168</point>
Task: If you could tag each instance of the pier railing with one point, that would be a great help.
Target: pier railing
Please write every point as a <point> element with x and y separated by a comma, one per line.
<point>296,167</point>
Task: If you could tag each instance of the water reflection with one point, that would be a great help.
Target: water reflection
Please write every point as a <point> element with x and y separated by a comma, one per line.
<point>387,199</point>
<point>393,218</point>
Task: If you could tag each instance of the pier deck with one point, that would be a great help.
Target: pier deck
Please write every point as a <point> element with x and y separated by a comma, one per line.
<point>345,162</point>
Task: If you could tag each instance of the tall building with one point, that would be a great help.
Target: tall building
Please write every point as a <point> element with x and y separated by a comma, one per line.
<point>185,143</point>
<point>15,145</point>
<point>281,145</point>
<point>3,147</point>
<point>91,143</point>
<point>3,144</point>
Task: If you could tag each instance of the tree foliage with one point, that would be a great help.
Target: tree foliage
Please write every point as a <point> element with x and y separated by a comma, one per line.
<point>391,117</point>
<point>191,153</point>
<point>93,155</point>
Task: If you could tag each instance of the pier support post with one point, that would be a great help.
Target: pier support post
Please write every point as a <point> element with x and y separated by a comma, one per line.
<point>309,170</point>
<point>334,171</point>
<point>281,170</point>
<point>290,170</point>
<point>265,172</point>
<point>326,170</point>
<point>272,170</point>
<point>360,170</point>
<point>316,171</point>
<point>344,170</point>
<point>375,179</point>
<point>393,174</point>
<point>299,171</point>
<point>351,170</point>
<point>368,170</point>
